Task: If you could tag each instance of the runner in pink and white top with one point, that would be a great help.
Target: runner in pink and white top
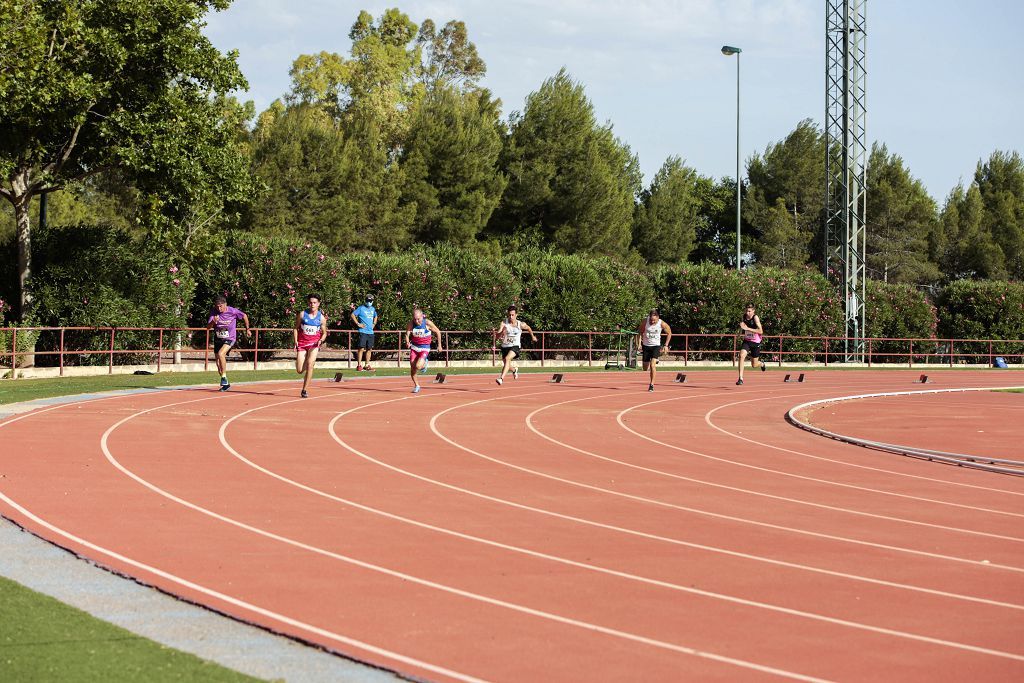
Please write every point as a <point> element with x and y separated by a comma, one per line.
<point>750,325</point>
<point>419,335</point>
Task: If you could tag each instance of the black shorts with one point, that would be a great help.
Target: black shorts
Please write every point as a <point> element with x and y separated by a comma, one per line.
<point>218,343</point>
<point>505,350</point>
<point>365,341</point>
<point>651,353</point>
<point>752,348</point>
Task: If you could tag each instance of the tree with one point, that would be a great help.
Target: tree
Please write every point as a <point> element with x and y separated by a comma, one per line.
<point>1000,182</point>
<point>325,184</point>
<point>450,59</point>
<point>794,171</point>
<point>91,86</point>
<point>782,244</point>
<point>568,176</point>
<point>716,230</point>
<point>965,247</point>
<point>450,165</point>
<point>669,213</point>
<point>900,220</point>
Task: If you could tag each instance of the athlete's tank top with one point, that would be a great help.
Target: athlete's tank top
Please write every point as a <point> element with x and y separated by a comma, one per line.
<point>747,334</point>
<point>511,333</point>
<point>311,323</point>
<point>652,333</point>
<point>421,334</point>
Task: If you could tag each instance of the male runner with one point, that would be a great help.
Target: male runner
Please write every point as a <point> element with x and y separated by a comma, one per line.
<point>223,321</point>
<point>651,328</point>
<point>510,331</point>
<point>750,325</point>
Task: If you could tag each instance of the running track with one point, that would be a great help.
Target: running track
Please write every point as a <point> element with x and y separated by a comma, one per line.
<point>539,532</point>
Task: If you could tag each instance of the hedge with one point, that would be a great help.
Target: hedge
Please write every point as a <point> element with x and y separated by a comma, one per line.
<point>970,309</point>
<point>896,311</point>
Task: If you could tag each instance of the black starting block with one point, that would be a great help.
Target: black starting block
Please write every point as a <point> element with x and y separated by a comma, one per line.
<point>558,378</point>
<point>923,379</point>
<point>339,377</point>
<point>680,378</point>
<point>440,378</point>
<point>789,378</point>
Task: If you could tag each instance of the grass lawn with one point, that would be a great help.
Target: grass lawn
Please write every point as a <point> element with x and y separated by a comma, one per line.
<point>45,640</point>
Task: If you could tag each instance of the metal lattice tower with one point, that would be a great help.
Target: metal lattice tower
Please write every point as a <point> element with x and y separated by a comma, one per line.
<point>845,236</point>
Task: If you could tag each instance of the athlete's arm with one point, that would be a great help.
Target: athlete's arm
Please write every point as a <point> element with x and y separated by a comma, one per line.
<point>499,329</point>
<point>437,333</point>
<point>528,329</point>
<point>323,329</point>
<point>375,319</point>
<point>356,320</point>
<point>298,326</point>
<point>212,322</point>
<point>245,319</point>
<point>757,321</point>
<point>668,332</point>
<point>408,335</point>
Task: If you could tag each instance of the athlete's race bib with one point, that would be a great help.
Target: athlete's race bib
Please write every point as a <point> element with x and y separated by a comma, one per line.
<point>223,334</point>
<point>310,329</point>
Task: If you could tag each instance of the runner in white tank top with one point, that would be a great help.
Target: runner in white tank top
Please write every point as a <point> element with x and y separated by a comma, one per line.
<point>510,331</point>
<point>650,339</point>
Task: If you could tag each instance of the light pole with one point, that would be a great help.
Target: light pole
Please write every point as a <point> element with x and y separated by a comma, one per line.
<point>728,51</point>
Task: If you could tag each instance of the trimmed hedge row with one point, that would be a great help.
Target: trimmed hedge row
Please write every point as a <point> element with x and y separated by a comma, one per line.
<point>106,277</point>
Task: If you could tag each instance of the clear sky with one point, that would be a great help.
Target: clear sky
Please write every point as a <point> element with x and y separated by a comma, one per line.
<point>945,78</point>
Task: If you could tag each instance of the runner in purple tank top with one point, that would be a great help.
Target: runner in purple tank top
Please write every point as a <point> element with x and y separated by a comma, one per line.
<point>223,321</point>
<point>751,328</point>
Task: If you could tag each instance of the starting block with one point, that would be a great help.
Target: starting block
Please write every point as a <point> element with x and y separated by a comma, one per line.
<point>788,378</point>
<point>339,377</point>
<point>440,378</point>
<point>923,379</point>
<point>680,378</point>
<point>558,378</point>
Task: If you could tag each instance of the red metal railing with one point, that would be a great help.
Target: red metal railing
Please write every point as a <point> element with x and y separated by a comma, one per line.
<point>63,347</point>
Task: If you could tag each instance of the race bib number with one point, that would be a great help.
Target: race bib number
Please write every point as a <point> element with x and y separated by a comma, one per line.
<point>223,334</point>
<point>310,329</point>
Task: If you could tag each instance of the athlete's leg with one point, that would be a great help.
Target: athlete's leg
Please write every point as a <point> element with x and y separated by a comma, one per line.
<point>653,368</point>
<point>507,364</point>
<point>743,359</point>
<point>300,361</point>
<point>222,359</point>
<point>309,365</point>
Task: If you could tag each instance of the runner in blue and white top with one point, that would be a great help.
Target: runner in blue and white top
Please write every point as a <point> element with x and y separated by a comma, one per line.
<point>310,333</point>
<point>420,334</point>
<point>510,331</point>
<point>650,340</point>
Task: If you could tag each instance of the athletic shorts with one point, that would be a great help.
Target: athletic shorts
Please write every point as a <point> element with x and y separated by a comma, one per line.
<point>365,341</point>
<point>752,348</point>
<point>312,342</point>
<point>651,353</point>
<point>417,352</point>
<point>505,350</point>
<point>218,343</point>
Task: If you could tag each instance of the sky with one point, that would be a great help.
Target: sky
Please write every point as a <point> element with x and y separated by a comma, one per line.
<point>945,79</point>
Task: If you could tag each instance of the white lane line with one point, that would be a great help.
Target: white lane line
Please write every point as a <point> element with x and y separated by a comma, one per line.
<point>432,584</point>
<point>683,508</point>
<point>596,568</point>
<point>620,420</point>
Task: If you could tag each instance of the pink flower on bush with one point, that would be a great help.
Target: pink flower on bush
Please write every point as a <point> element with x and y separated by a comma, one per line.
<point>172,269</point>
<point>176,282</point>
<point>291,299</point>
<point>320,257</point>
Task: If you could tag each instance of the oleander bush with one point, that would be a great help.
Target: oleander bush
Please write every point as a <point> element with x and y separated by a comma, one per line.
<point>983,310</point>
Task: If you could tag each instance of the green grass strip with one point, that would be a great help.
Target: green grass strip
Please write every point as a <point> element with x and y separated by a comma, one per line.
<point>42,639</point>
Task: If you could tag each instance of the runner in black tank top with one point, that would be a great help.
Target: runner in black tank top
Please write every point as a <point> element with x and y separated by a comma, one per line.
<point>750,328</point>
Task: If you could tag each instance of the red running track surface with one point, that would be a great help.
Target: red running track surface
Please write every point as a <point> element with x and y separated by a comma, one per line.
<point>582,531</point>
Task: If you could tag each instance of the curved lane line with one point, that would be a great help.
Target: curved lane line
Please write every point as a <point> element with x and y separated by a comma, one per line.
<point>642,534</point>
<point>451,589</point>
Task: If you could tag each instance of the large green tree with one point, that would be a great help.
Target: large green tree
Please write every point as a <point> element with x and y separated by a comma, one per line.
<point>670,212</point>
<point>92,86</point>
<point>901,218</point>
<point>324,183</point>
<point>450,165</point>
<point>1000,182</point>
<point>793,171</point>
<point>569,176</point>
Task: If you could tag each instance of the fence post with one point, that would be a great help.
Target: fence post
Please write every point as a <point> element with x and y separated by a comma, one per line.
<point>256,351</point>
<point>206,351</point>
<point>950,353</point>
<point>110,367</point>
<point>826,352</point>
<point>590,349</point>
<point>447,349</point>
<point>14,353</point>
<point>911,353</point>
<point>686,350</point>
<point>990,353</point>
<point>542,347</point>
<point>869,353</point>
<point>780,351</point>
<point>159,347</point>
<point>61,352</point>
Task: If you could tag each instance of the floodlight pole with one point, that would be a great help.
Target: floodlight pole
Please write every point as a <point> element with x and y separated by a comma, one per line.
<point>728,50</point>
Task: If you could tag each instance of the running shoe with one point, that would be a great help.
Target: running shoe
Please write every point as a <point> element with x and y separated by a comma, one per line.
<point>224,381</point>
<point>515,373</point>
<point>359,368</point>
<point>416,389</point>
<point>304,394</point>
<point>764,368</point>
<point>650,388</point>
<point>739,382</point>
<point>225,386</point>
<point>367,368</point>
<point>499,381</point>
<point>426,362</point>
